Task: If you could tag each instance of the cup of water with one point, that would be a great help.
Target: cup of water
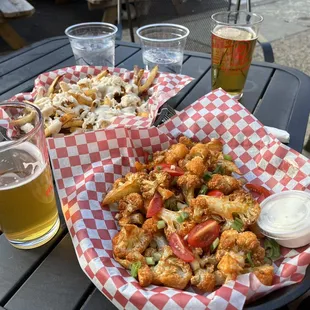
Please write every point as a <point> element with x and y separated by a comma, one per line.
<point>93,44</point>
<point>163,45</point>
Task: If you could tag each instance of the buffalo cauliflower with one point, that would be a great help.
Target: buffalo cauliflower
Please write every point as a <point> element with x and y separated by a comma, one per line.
<point>189,183</point>
<point>204,280</point>
<point>175,153</point>
<point>130,238</point>
<point>224,183</point>
<point>171,271</point>
<point>155,180</point>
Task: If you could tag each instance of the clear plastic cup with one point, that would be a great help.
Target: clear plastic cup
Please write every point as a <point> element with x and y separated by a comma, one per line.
<point>93,44</point>
<point>163,45</point>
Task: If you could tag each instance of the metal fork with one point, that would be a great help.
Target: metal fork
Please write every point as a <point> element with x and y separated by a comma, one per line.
<point>165,114</point>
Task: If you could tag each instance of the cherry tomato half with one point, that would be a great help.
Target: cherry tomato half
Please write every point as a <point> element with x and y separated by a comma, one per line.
<point>258,189</point>
<point>203,234</point>
<point>174,171</point>
<point>215,193</point>
<point>180,249</point>
<point>155,205</point>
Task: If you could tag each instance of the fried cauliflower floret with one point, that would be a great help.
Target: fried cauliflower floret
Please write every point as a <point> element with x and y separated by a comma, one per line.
<point>175,153</point>
<point>200,209</point>
<point>150,225</point>
<point>224,183</point>
<point>155,180</point>
<point>174,224</point>
<point>130,238</point>
<point>215,145</point>
<point>264,274</point>
<point>129,184</point>
<point>188,183</point>
<point>200,150</point>
<point>228,167</point>
<point>136,218</point>
<point>196,166</point>
<point>204,280</point>
<point>231,265</point>
<point>238,203</point>
<point>145,275</point>
<point>171,271</point>
<point>130,204</point>
<point>186,141</point>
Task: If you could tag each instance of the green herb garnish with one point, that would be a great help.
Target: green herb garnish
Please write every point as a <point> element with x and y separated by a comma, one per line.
<point>182,217</point>
<point>272,249</point>
<point>227,157</point>
<point>150,260</point>
<point>214,245</point>
<point>207,176</point>
<point>237,224</point>
<point>161,224</point>
<point>249,259</point>
<point>134,269</point>
<point>203,190</point>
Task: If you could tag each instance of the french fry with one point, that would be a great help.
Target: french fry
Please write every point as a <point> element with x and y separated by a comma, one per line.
<point>106,101</point>
<point>24,120</point>
<point>73,123</point>
<point>81,99</point>
<point>140,76</point>
<point>93,106</point>
<point>66,118</point>
<point>90,93</point>
<point>64,86</point>
<point>102,74</point>
<point>51,89</point>
<point>143,114</point>
<point>122,191</point>
<point>149,80</point>
<point>135,75</point>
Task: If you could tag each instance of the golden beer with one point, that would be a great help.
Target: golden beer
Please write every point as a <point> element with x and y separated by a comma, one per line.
<point>232,50</point>
<point>28,208</point>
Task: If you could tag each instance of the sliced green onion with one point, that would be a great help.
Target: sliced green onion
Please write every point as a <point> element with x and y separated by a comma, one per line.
<point>237,224</point>
<point>249,259</point>
<point>156,256</point>
<point>150,157</point>
<point>174,181</point>
<point>150,260</point>
<point>272,249</point>
<point>218,170</point>
<point>181,205</point>
<point>182,217</point>
<point>134,269</point>
<point>161,224</point>
<point>158,168</point>
<point>207,176</point>
<point>214,245</point>
<point>227,157</point>
<point>203,189</point>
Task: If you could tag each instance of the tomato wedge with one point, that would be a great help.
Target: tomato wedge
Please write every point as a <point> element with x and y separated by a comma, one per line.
<point>155,205</point>
<point>215,193</point>
<point>258,189</point>
<point>174,171</point>
<point>202,235</point>
<point>180,249</point>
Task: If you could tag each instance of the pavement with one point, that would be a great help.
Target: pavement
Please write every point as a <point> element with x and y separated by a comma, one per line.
<point>286,25</point>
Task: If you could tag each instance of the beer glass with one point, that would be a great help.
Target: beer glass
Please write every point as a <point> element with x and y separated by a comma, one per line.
<point>234,35</point>
<point>28,211</point>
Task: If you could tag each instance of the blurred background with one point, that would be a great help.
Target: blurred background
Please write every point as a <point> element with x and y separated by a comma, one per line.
<point>286,23</point>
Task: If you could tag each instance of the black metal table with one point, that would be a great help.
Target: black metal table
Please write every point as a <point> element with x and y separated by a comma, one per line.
<point>50,277</point>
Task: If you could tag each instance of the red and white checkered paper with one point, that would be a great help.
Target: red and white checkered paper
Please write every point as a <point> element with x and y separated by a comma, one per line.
<point>165,86</point>
<point>86,165</point>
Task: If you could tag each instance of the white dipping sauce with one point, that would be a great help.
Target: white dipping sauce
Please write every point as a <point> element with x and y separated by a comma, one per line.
<point>285,217</point>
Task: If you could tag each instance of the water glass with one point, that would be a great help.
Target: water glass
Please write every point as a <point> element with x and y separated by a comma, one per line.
<point>93,44</point>
<point>28,210</point>
<point>234,36</point>
<point>163,45</point>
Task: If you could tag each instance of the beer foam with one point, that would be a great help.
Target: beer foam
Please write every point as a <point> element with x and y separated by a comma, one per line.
<point>35,152</point>
<point>235,33</point>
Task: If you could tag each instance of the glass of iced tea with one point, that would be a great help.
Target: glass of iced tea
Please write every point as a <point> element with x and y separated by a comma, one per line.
<point>28,211</point>
<point>234,36</point>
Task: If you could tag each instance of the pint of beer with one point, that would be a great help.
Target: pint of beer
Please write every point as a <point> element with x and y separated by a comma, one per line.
<point>28,211</point>
<point>234,36</point>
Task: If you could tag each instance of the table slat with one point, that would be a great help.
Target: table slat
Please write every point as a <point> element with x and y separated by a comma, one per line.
<point>34,68</point>
<point>30,56</point>
<point>278,101</point>
<point>196,68</point>
<point>58,283</point>
<point>256,83</point>
<point>97,301</point>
